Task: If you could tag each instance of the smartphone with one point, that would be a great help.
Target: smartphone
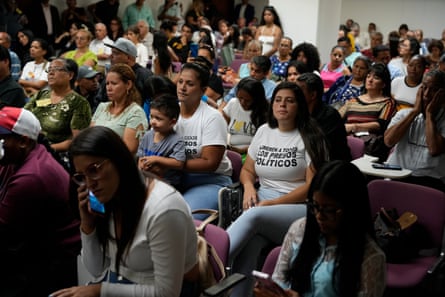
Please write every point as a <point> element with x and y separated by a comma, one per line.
<point>265,282</point>
<point>194,50</point>
<point>95,204</point>
<point>386,166</point>
<point>224,285</point>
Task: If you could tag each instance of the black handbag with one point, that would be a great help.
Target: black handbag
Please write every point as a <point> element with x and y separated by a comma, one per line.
<point>230,204</point>
<point>396,235</point>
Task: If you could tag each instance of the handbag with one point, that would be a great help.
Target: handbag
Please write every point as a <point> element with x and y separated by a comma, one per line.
<point>207,256</point>
<point>375,146</point>
<point>397,235</point>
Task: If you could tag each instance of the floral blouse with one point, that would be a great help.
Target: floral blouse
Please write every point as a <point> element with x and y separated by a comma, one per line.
<point>373,280</point>
<point>58,120</point>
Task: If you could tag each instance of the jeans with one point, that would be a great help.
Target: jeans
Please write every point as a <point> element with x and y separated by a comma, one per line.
<point>201,190</point>
<point>256,229</point>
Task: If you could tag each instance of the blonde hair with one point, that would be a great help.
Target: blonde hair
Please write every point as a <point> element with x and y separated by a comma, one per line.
<point>85,30</point>
<point>252,43</point>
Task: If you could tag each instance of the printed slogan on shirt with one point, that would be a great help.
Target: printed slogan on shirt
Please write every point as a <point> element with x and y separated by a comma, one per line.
<point>277,157</point>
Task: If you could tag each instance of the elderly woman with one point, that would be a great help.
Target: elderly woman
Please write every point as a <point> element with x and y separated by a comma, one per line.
<point>123,112</point>
<point>82,54</point>
<point>61,111</point>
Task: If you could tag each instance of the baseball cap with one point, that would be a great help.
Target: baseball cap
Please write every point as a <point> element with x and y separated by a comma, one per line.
<point>86,72</point>
<point>124,45</point>
<point>19,121</point>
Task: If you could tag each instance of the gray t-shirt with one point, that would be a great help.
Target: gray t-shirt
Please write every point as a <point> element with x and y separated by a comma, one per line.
<point>171,146</point>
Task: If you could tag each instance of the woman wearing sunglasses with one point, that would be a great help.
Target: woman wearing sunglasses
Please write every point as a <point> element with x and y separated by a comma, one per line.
<point>144,244</point>
<point>331,251</point>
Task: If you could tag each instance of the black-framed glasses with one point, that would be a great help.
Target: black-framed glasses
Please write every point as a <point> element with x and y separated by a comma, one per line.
<point>92,172</point>
<point>328,212</point>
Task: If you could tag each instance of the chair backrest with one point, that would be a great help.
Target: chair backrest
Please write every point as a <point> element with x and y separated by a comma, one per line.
<point>427,203</point>
<point>219,239</point>
<point>357,147</point>
<point>271,260</point>
<point>236,64</point>
<point>237,163</point>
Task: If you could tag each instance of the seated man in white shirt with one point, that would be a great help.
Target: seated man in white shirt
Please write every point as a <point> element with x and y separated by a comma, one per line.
<point>98,47</point>
<point>418,134</point>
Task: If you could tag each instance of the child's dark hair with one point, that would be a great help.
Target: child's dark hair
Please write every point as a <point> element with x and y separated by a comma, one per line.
<point>263,62</point>
<point>260,104</point>
<point>167,104</point>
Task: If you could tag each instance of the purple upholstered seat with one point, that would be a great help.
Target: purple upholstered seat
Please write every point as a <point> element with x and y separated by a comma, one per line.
<point>357,147</point>
<point>429,206</point>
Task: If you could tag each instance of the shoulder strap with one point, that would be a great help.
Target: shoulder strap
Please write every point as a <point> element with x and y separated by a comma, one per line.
<point>213,215</point>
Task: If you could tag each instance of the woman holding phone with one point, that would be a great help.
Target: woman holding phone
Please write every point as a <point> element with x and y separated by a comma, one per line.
<point>145,242</point>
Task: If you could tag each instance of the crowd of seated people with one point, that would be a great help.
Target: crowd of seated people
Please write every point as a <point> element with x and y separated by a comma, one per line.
<point>150,140</point>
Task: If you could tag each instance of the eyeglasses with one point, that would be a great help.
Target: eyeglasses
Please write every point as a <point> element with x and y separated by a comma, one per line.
<point>56,69</point>
<point>92,172</point>
<point>328,212</point>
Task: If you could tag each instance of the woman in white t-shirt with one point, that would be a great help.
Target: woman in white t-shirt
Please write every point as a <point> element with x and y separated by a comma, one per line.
<point>245,114</point>
<point>34,75</point>
<point>283,157</point>
<point>204,132</point>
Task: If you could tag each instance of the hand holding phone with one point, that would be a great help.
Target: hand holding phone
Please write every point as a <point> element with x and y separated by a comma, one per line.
<point>265,283</point>
<point>95,205</point>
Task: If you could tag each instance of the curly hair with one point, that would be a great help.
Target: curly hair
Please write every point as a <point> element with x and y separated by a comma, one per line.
<point>310,51</point>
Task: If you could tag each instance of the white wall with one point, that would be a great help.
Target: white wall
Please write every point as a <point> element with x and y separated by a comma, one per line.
<point>389,14</point>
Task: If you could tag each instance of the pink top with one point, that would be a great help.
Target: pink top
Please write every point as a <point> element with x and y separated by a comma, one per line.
<point>328,76</point>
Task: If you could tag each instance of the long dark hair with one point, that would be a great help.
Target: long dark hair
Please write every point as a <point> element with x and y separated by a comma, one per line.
<point>343,182</point>
<point>260,104</point>
<point>160,43</point>
<point>276,18</point>
<point>129,199</point>
<point>313,137</point>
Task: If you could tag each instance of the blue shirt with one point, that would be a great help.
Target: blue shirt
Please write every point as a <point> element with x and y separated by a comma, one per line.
<point>16,67</point>
<point>269,86</point>
<point>133,14</point>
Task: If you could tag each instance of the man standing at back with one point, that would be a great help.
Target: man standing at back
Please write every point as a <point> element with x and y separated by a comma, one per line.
<point>44,20</point>
<point>244,10</point>
<point>135,12</point>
